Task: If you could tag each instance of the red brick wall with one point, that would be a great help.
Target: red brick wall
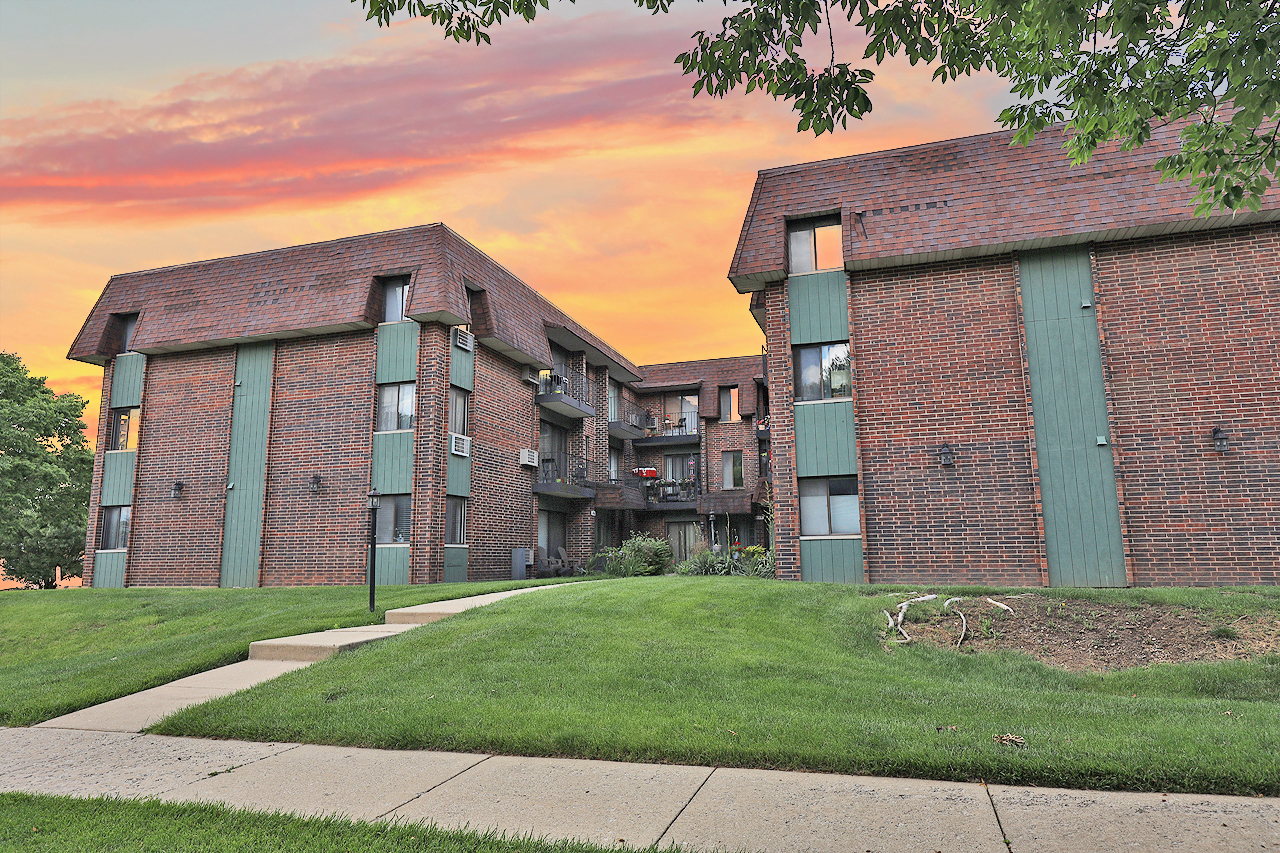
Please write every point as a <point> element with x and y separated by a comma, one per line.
<point>1192,342</point>
<point>502,511</point>
<point>185,434</point>
<point>429,460</point>
<point>322,411</point>
<point>732,435</point>
<point>938,359</point>
<point>782,430</point>
<point>95,485</point>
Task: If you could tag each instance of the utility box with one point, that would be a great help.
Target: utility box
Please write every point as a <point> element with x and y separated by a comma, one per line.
<point>521,560</point>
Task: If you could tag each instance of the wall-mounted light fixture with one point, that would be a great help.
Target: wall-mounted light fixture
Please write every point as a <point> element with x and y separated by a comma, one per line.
<point>314,484</point>
<point>1220,441</point>
<point>176,491</point>
<point>946,456</point>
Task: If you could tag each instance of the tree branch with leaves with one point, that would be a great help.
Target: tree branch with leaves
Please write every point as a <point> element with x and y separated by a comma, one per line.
<point>1110,71</point>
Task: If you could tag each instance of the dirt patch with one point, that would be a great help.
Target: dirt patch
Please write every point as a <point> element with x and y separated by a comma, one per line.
<point>1088,636</point>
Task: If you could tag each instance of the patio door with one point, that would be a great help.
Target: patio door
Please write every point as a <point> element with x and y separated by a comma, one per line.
<point>552,530</point>
<point>684,537</point>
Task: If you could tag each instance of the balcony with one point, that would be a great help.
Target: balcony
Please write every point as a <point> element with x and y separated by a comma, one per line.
<point>566,393</point>
<point>563,475</point>
<point>671,494</point>
<point>762,426</point>
<point>622,493</point>
<point>626,419</point>
<point>683,430</point>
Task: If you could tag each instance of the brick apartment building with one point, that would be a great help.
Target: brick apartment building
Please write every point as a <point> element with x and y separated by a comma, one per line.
<point>988,366</point>
<point>251,403</point>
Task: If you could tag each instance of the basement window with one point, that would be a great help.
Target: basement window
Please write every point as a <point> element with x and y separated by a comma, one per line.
<point>814,245</point>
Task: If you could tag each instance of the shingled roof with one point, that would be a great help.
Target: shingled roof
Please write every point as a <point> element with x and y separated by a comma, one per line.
<point>707,376</point>
<point>327,287</point>
<point>971,196</point>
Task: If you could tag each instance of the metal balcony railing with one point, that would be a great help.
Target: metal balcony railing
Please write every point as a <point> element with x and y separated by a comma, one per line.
<point>671,491</point>
<point>687,424</point>
<point>566,468</point>
<point>624,411</point>
<point>569,382</point>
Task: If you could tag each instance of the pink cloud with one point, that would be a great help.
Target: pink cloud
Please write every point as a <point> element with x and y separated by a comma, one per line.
<point>406,108</point>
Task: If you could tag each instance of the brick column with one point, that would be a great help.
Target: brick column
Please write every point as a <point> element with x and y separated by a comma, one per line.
<point>786,507</point>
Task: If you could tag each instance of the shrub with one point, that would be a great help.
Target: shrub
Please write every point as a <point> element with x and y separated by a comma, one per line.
<point>639,555</point>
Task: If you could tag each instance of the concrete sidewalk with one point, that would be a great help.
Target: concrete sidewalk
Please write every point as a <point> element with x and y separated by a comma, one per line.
<point>100,751</point>
<point>610,803</point>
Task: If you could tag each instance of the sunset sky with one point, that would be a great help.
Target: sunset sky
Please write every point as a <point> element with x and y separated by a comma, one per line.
<point>141,133</point>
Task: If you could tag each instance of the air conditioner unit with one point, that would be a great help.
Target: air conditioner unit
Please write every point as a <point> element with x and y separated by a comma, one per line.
<point>530,374</point>
<point>653,421</point>
<point>464,339</point>
<point>459,445</point>
<point>529,458</point>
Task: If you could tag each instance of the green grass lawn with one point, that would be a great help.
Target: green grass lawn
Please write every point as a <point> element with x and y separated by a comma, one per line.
<point>63,650</point>
<point>748,673</point>
<point>38,824</point>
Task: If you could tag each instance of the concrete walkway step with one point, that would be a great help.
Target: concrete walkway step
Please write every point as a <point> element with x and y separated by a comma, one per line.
<point>421,614</point>
<point>310,648</point>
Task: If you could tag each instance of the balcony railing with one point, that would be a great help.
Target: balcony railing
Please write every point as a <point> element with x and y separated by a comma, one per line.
<point>671,491</point>
<point>569,382</point>
<point>669,426</point>
<point>625,412</point>
<point>564,468</point>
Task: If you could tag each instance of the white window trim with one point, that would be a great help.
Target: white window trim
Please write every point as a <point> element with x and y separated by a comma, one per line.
<point>834,536</point>
<point>394,323</point>
<point>110,550</point>
<point>393,544</point>
<point>456,545</point>
<point>130,450</point>
<point>375,432</point>
<point>848,399</point>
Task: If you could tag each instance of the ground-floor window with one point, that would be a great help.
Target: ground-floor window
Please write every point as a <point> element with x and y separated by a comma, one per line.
<point>392,519</point>
<point>455,521</point>
<point>115,528</point>
<point>684,537</point>
<point>829,506</point>
<point>552,531</point>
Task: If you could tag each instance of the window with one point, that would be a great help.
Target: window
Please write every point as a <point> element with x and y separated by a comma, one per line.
<point>392,521</point>
<point>732,469</point>
<point>822,372</point>
<point>458,399</point>
<point>126,337</point>
<point>615,463</point>
<point>396,406</point>
<point>814,244</point>
<point>829,506</point>
<point>124,429</point>
<point>394,291</point>
<point>682,466</point>
<point>115,528</point>
<point>615,401</point>
<point>680,414</point>
<point>455,521</point>
<point>729,404</point>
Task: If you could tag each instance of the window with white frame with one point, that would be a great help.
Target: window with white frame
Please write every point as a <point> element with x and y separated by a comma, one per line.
<point>615,463</point>
<point>615,401</point>
<point>458,399</point>
<point>729,404</point>
<point>814,244</point>
<point>829,506</point>
<point>822,371</point>
<point>124,429</point>
<point>394,291</point>
<point>733,477</point>
<point>455,521</point>
<point>392,520</point>
<point>114,534</point>
<point>396,406</point>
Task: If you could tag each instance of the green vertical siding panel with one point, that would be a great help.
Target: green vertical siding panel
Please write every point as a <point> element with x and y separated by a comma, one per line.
<point>397,359</point>
<point>458,481</point>
<point>826,439</point>
<point>117,477</point>
<point>831,560</point>
<point>247,465</point>
<point>462,367</point>
<point>819,307</point>
<point>393,564</point>
<point>455,564</point>
<point>108,569</point>
<point>1068,397</point>
<point>393,462</point>
<point>126,380</point>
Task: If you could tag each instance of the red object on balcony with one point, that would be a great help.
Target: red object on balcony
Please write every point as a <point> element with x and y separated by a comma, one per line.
<point>645,472</point>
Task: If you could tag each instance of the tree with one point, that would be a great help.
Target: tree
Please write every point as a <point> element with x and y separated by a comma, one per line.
<point>45,468</point>
<point>1109,69</point>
